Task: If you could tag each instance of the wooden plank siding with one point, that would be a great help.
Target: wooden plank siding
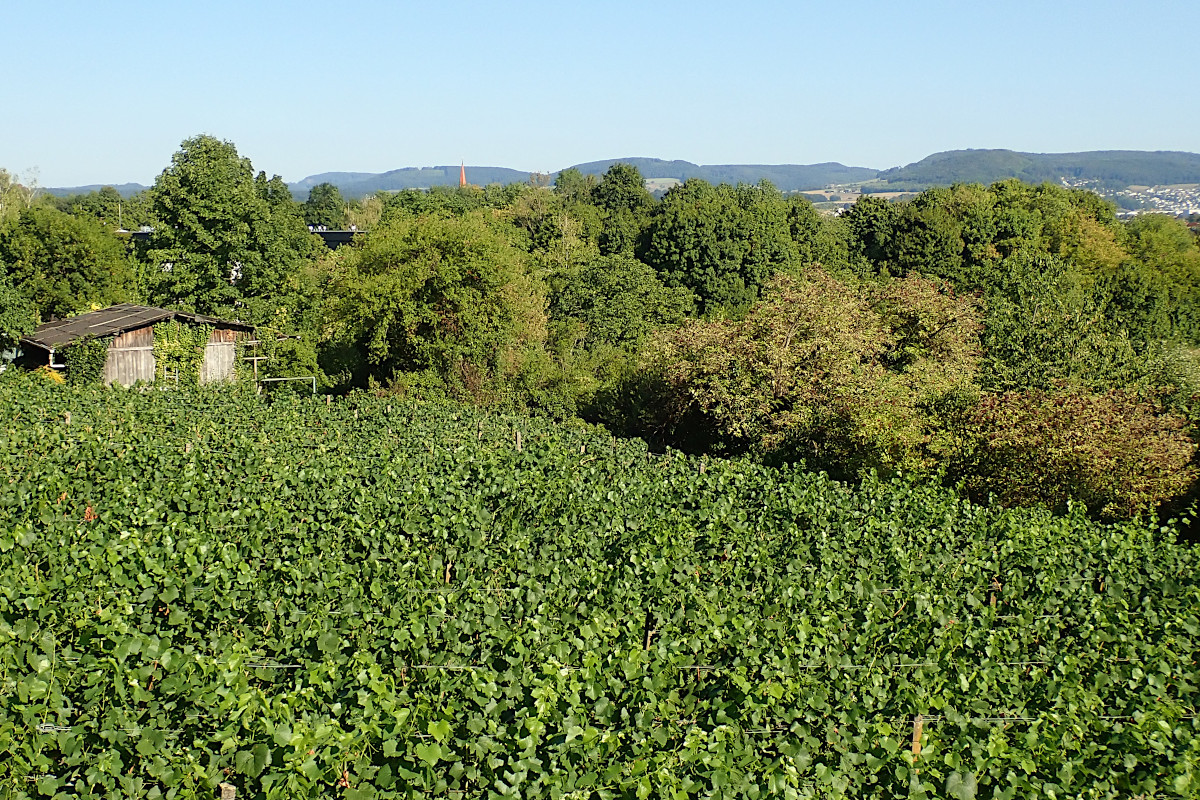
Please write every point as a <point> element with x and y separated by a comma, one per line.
<point>130,357</point>
<point>220,355</point>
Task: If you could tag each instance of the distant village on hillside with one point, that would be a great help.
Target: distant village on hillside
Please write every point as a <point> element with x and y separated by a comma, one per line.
<point>1180,200</point>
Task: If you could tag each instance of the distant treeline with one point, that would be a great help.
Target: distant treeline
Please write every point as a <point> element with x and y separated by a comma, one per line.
<point>1112,169</point>
<point>1017,341</point>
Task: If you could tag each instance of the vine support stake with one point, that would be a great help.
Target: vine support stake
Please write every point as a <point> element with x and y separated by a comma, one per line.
<point>67,417</point>
<point>228,791</point>
<point>918,726</point>
<point>517,439</point>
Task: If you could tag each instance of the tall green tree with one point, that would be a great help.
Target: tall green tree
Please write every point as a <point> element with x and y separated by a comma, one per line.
<point>574,187</point>
<point>618,300</point>
<point>873,222</point>
<point>223,235</point>
<point>721,242</point>
<point>625,206</point>
<point>325,207</point>
<point>17,315</point>
<point>64,264</point>
<point>16,194</point>
<point>442,299</point>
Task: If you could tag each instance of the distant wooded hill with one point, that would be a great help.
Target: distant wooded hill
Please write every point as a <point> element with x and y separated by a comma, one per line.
<point>1113,168</point>
<point>123,189</point>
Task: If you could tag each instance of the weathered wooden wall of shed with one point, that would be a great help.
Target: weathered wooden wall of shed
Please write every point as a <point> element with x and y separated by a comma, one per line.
<point>220,356</point>
<point>131,357</point>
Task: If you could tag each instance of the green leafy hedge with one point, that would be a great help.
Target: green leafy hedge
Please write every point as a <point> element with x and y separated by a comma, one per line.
<point>380,598</point>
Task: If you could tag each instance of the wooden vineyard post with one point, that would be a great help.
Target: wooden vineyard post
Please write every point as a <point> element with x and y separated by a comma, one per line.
<point>67,417</point>
<point>228,791</point>
<point>517,439</point>
<point>918,726</point>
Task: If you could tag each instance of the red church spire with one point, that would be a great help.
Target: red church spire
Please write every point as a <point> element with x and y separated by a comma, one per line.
<point>462,174</point>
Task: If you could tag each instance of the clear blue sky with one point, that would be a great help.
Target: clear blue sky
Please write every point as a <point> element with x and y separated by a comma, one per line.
<point>101,92</point>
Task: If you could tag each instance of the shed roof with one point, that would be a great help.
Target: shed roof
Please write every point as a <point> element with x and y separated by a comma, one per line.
<point>113,320</point>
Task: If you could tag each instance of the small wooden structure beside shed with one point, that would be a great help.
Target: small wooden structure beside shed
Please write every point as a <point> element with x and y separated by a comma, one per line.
<point>130,330</point>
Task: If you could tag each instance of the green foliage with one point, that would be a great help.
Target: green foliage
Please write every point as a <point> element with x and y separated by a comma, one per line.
<point>1045,327</point>
<point>1113,452</point>
<point>618,300</point>
<point>17,314</point>
<point>325,207</point>
<point>223,235</point>
<point>845,378</point>
<point>288,348</point>
<point>106,205</point>
<point>179,352</point>
<point>456,200</point>
<point>964,232</point>
<point>622,187</point>
<point>721,242</point>
<point>380,598</point>
<point>574,187</point>
<point>1157,292</point>
<point>447,294</point>
<point>85,360</point>
<point>624,204</point>
<point>15,195</point>
<point>64,264</point>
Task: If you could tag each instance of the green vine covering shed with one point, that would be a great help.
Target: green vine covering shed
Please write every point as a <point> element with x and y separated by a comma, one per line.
<point>85,360</point>
<point>179,351</point>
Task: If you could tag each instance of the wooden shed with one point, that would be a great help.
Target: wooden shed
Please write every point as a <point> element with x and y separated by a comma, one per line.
<point>129,330</point>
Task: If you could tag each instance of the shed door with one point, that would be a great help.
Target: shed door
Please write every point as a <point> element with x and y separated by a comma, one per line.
<point>219,356</point>
<point>131,357</point>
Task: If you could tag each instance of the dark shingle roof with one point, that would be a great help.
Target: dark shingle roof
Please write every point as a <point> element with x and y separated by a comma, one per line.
<point>111,321</point>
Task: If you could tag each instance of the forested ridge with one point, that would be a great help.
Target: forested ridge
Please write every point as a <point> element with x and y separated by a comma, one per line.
<point>1114,168</point>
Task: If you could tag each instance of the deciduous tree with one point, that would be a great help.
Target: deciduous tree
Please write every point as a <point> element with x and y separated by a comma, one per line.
<point>449,297</point>
<point>63,264</point>
<point>721,242</point>
<point>223,235</point>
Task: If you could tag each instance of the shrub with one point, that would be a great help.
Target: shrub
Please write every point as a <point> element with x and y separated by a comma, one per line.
<point>1114,452</point>
<point>847,378</point>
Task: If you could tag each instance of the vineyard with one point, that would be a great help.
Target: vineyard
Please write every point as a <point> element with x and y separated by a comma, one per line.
<point>377,598</point>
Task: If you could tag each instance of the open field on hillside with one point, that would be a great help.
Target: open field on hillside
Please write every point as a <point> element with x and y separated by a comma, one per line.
<point>382,598</point>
